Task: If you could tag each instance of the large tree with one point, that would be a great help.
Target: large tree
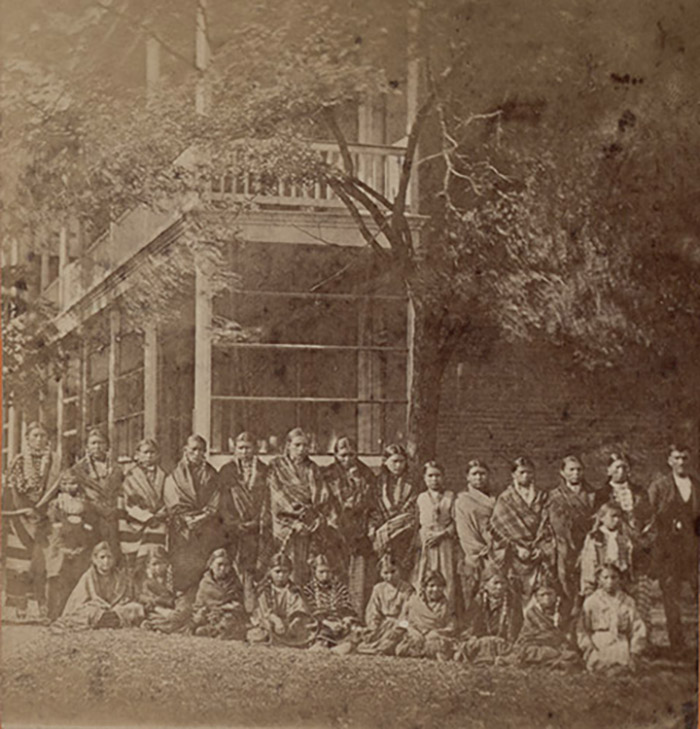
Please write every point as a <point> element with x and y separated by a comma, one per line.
<point>553,147</point>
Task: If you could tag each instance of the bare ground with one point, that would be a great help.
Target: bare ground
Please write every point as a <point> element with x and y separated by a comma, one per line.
<point>129,677</point>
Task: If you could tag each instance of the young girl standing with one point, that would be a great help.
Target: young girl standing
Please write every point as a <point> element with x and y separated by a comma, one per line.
<point>437,530</point>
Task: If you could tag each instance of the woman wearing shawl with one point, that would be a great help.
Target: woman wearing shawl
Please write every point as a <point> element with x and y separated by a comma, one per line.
<point>142,513</point>
<point>281,615</point>
<point>544,640</point>
<point>638,517</point>
<point>437,531</point>
<point>26,490</point>
<point>493,620</point>
<point>103,597</point>
<point>473,509</point>
<point>352,484</point>
<point>297,506</point>
<point>330,603</point>
<point>218,610</point>
<point>393,526</point>
<point>523,541</point>
<point>243,490</point>
<point>165,611</point>
<point>191,494</point>
<point>101,481</point>
<point>570,511</point>
<point>428,621</point>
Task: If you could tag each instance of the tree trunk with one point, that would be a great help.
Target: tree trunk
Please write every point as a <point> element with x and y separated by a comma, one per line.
<point>430,349</point>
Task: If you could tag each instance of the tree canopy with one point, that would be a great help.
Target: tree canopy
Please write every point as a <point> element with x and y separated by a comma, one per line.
<point>554,146</point>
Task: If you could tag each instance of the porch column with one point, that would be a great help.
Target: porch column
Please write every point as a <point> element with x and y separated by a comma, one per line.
<point>201,59</point>
<point>62,263</point>
<point>201,419</point>
<point>114,330</point>
<point>150,381</point>
<point>60,420</point>
<point>44,276</point>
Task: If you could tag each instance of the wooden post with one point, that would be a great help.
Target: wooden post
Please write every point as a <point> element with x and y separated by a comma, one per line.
<point>152,69</point>
<point>62,263</point>
<point>112,371</point>
<point>60,424</point>
<point>201,58</point>
<point>150,381</point>
<point>201,419</point>
<point>410,336</point>
<point>44,272</point>
<point>412,88</point>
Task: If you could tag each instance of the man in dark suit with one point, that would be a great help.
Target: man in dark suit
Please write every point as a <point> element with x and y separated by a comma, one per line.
<point>675,499</point>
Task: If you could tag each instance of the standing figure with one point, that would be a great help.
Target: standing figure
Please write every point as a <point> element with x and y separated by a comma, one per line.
<point>640,524</point>
<point>142,512</point>
<point>103,597</point>
<point>101,480</point>
<point>675,500</point>
<point>610,631</point>
<point>243,493</point>
<point>351,485</point>
<point>437,531</point>
<point>473,509</point>
<point>26,490</point>
<point>393,526</point>
<point>192,495</point>
<point>330,603</point>
<point>570,512</point>
<point>608,543</point>
<point>72,535</point>
<point>523,541</point>
<point>294,518</point>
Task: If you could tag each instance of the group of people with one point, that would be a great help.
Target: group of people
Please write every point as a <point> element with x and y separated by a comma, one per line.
<point>336,557</point>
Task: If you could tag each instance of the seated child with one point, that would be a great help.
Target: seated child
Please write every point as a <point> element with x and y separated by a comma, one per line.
<point>607,543</point>
<point>218,606</point>
<point>281,616</point>
<point>165,613</point>
<point>384,609</point>
<point>610,631</point>
<point>543,640</point>
<point>72,534</point>
<point>428,622</point>
<point>103,597</point>
<point>329,602</point>
<point>493,620</point>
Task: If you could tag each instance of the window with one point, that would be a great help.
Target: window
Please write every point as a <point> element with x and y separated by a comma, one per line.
<point>97,389</point>
<point>128,394</point>
<point>316,337</point>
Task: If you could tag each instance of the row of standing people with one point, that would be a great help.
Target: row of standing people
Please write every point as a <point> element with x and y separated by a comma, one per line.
<point>355,518</point>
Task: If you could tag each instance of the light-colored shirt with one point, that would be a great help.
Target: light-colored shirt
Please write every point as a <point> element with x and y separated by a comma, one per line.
<point>684,486</point>
<point>527,494</point>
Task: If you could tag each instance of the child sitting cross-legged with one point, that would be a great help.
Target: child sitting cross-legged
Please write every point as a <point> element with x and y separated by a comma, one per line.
<point>610,631</point>
<point>493,620</point>
<point>543,640</point>
<point>165,612</point>
<point>329,601</point>
<point>384,609</point>
<point>218,607</point>
<point>281,615</point>
<point>428,622</point>
<point>103,597</point>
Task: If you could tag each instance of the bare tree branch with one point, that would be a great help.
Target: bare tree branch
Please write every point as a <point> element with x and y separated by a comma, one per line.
<point>332,123</point>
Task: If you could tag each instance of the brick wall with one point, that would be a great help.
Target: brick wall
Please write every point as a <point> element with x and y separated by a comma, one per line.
<point>517,399</point>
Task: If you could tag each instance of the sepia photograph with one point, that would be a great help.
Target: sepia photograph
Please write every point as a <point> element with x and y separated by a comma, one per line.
<point>350,364</point>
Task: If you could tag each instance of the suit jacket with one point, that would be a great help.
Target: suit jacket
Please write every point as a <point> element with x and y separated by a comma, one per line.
<point>676,524</point>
